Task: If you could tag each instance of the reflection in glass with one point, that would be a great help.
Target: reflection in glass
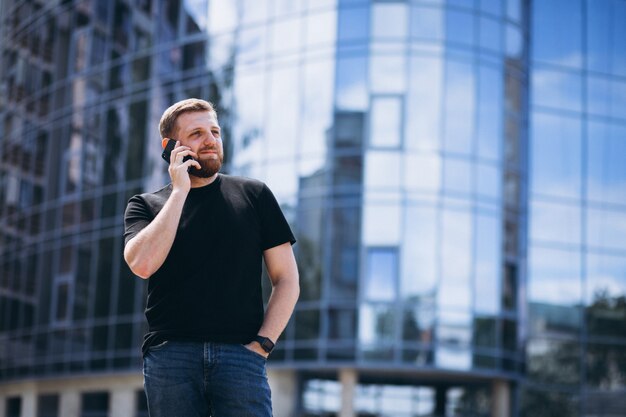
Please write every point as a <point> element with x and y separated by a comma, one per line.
<point>557,36</point>
<point>381,224</point>
<point>459,107</point>
<point>342,324</point>
<point>488,181</point>
<point>460,27</point>
<point>351,85</point>
<point>605,366</point>
<point>457,175</point>
<point>419,256</point>
<point>490,34</point>
<point>606,31</point>
<point>557,89</point>
<point>606,295</point>
<point>307,324</point>
<point>377,328</point>
<point>386,122</point>
<point>423,113</point>
<point>553,361</point>
<point>490,115</point>
<point>487,264</point>
<point>427,23</point>
<point>382,170</point>
<point>554,222</point>
<point>388,73</point>
<point>422,172</point>
<point>283,35</point>
<point>381,274</point>
<point>606,171</point>
<point>389,20</point>
<point>321,29</point>
<point>556,155</point>
<point>353,24</point>
<point>282,131</point>
<point>554,276</point>
<point>456,247</point>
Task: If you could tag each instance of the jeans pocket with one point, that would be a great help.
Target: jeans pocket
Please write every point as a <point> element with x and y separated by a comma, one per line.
<point>258,355</point>
<point>159,346</point>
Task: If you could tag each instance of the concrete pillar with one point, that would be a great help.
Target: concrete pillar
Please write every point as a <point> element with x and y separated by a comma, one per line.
<point>122,402</point>
<point>29,404</point>
<point>285,391</point>
<point>500,399</point>
<point>69,404</point>
<point>348,380</point>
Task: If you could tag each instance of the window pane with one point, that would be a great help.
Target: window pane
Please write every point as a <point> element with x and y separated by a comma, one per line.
<point>554,277</point>
<point>488,264</point>
<point>606,295</point>
<point>388,73</point>
<point>606,228</point>
<point>419,257</point>
<point>377,324</point>
<point>555,156</point>
<point>382,170</point>
<point>423,113</point>
<point>460,28</point>
<point>554,361</point>
<point>386,122</point>
<point>381,225</point>
<point>457,175</point>
<point>389,20</point>
<point>556,89</point>
<point>381,274</point>
<point>557,36</point>
<point>422,172</point>
<point>554,222</point>
<point>490,37</point>
<point>353,24</point>
<point>606,31</point>
<point>352,84</point>
<point>490,114</point>
<point>606,148</point>
<point>427,23</point>
<point>459,106</point>
<point>456,247</point>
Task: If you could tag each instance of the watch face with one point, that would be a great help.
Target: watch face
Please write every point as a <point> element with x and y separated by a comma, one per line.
<point>266,344</point>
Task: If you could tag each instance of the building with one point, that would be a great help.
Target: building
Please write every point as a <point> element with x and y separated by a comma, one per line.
<point>453,170</point>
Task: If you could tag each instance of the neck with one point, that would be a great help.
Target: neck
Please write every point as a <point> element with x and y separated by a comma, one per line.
<point>201,182</point>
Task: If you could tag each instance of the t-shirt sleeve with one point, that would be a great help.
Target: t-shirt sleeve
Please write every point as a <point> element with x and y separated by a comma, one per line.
<point>274,227</point>
<point>136,217</point>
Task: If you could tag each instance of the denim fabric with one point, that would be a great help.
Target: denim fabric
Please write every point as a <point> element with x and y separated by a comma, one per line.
<point>192,379</point>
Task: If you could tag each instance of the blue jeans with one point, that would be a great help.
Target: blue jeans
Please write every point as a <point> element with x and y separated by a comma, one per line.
<point>194,379</point>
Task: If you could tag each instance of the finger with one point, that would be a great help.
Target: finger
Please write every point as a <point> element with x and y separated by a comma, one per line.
<point>180,155</point>
<point>190,163</point>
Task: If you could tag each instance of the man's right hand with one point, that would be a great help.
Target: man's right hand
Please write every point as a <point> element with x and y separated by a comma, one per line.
<point>178,169</point>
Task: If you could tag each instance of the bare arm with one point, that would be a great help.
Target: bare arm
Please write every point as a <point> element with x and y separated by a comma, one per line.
<point>146,252</point>
<point>283,272</point>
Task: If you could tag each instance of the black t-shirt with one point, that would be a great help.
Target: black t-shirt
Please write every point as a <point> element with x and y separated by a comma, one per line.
<point>209,287</point>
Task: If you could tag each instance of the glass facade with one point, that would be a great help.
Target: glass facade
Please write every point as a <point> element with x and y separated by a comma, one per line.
<point>453,171</point>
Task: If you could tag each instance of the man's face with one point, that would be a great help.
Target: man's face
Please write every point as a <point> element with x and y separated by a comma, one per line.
<point>201,132</point>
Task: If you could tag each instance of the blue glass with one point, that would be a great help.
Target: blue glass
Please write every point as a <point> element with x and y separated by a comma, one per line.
<point>383,170</point>
<point>254,11</point>
<point>606,171</point>
<point>554,276</point>
<point>556,89</point>
<point>423,110</point>
<point>317,112</point>
<point>487,264</point>
<point>353,24</point>
<point>514,10</point>
<point>197,10</point>
<point>386,122</point>
<point>488,181</point>
<point>605,229</point>
<point>457,175</point>
<point>606,282</point>
<point>606,96</point>
<point>427,23</point>
<point>351,84</point>
<point>456,248</point>
<point>555,144</point>
<point>388,73</point>
<point>382,224</point>
<point>491,6</point>
<point>460,27</point>
<point>459,107</point>
<point>285,35</point>
<point>381,274</point>
<point>552,222</point>
<point>490,112</point>
<point>321,29</point>
<point>419,260</point>
<point>284,95</point>
<point>557,36</point>
<point>490,34</point>
<point>606,31</point>
<point>377,324</point>
<point>222,17</point>
<point>422,172</point>
<point>389,20</point>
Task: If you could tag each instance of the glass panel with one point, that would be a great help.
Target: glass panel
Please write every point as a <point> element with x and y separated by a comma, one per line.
<point>557,36</point>
<point>488,264</point>
<point>282,131</point>
<point>376,324</point>
<point>556,89</point>
<point>491,6</point>
<point>252,46</point>
<point>342,324</point>
<point>388,73</point>
<point>606,148</point>
<point>606,228</point>
<point>427,23</point>
<point>456,246</point>
<point>382,170</point>
<point>422,172</point>
<point>48,405</point>
<point>247,135</point>
<point>419,256</point>
<point>457,175</point>
<point>381,275</point>
<point>285,35</point>
<point>554,361</point>
<point>606,295</point>
<point>460,28</point>
<point>490,105</point>
<point>381,225</point>
<point>386,122</point>
<point>423,112</point>
<point>554,277</point>
<point>353,24</point>
<point>490,34</point>
<point>606,31</point>
<point>546,403</point>
<point>316,37</point>
<point>343,252</point>
<point>389,20</point>
<point>352,84</point>
<point>459,107</point>
<point>606,367</point>
<point>95,404</point>
<point>197,13</point>
<point>554,222</point>
<point>555,156</point>
<point>253,11</point>
<point>222,16</point>
<point>488,181</point>
<point>307,324</point>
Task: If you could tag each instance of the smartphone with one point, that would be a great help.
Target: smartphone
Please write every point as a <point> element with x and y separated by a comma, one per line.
<point>168,146</point>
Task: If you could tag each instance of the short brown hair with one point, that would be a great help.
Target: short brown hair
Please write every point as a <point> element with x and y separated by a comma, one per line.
<point>167,125</point>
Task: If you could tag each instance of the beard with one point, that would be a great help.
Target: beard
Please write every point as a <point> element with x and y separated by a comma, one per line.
<point>208,167</point>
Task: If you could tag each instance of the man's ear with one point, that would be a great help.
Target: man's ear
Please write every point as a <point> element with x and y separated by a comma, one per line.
<point>164,142</point>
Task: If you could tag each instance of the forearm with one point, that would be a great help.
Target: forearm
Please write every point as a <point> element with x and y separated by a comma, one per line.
<point>280,307</point>
<point>146,252</point>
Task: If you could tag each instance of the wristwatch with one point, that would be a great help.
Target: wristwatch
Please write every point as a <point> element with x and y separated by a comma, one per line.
<point>265,343</point>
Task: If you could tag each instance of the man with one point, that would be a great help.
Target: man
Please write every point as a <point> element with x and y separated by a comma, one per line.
<point>200,241</point>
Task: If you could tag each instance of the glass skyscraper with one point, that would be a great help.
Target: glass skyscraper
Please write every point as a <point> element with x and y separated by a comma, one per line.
<point>454,172</point>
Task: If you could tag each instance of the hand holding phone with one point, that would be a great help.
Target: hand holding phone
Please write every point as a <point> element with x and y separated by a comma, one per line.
<point>168,147</point>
